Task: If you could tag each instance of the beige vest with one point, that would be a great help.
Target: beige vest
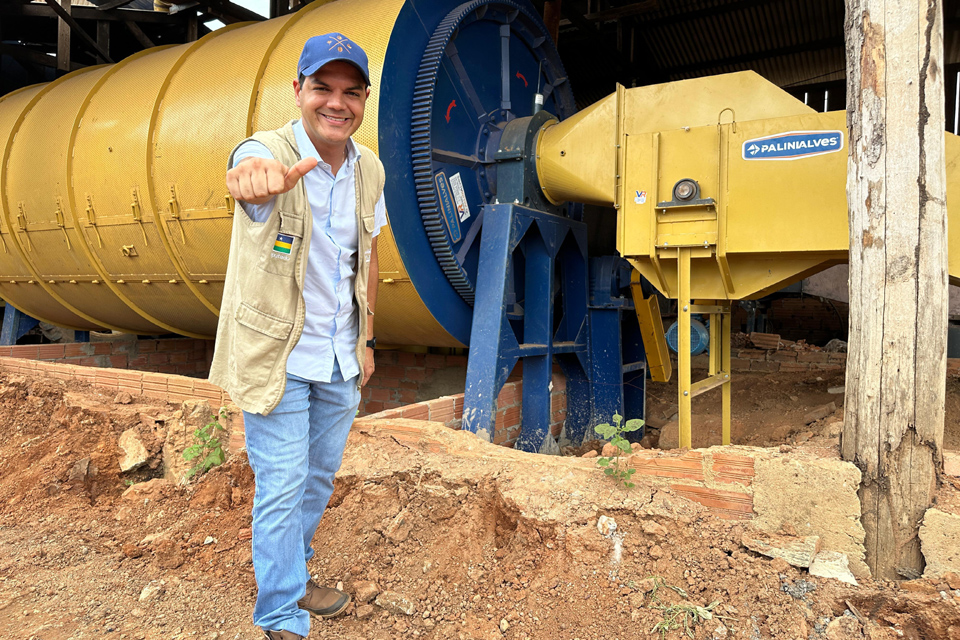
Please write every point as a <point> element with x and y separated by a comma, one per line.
<point>262,312</point>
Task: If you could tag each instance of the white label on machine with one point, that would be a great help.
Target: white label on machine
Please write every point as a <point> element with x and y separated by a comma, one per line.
<point>793,145</point>
<point>456,185</point>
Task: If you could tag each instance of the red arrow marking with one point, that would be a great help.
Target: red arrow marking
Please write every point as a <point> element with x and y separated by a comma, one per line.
<point>453,103</point>
<point>525,83</point>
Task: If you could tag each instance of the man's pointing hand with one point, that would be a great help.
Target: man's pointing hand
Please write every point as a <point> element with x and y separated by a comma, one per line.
<point>257,180</point>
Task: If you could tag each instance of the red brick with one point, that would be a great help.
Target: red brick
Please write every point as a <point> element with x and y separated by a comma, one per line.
<point>27,351</point>
<point>728,467</point>
<point>837,357</point>
<point>409,384</point>
<point>418,411</point>
<point>559,383</point>
<point>458,405</point>
<point>102,348</point>
<point>688,466</point>
<point>88,362</point>
<point>783,356</point>
<point>499,436</point>
<point>407,396</point>
<point>390,371</point>
<point>794,366</point>
<point>167,345</point>
<point>414,373</point>
<point>77,349</point>
<point>740,364</point>
<point>50,351</point>
<point>730,505</point>
<point>380,395</point>
<point>752,354</point>
<point>392,405</point>
<point>365,392</point>
<point>558,402</point>
<point>208,391</point>
<point>106,379</point>
<point>118,362</point>
<point>432,361</point>
<point>441,410</point>
<point>508,395</point>
<point>406,359</point>
<point>761,365</point>
<point>511,417</point>
<point>456,361</point>
<point>158,358</point>
<point>389,383</point>
<point>828,367</point>
<point>167,368</point>
<point>147,346</point>
<point>812,356</point>
<point>372,407</point>
<point>177,358</point>
<point>381,356</point>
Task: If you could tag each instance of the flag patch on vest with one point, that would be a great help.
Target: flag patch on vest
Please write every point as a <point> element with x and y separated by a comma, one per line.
<point>282,247</point>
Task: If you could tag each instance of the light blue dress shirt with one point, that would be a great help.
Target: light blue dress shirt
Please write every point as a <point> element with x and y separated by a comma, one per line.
<point>331,324</point>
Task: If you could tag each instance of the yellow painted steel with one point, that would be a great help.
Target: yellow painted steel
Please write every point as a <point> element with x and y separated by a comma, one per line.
<point>19,285</point>
<point>651,330</point>
<point>114,208</point>
<point>756,225</point>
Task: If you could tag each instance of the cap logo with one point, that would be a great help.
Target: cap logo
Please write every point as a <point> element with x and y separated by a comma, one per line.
<point>338,42</point>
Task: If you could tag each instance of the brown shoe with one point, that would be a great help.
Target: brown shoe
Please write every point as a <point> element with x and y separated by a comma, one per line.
<point>281,635</point>
<point>323,601</point>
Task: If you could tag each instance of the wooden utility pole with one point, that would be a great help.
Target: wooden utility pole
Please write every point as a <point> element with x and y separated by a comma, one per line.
<point>896,193</point>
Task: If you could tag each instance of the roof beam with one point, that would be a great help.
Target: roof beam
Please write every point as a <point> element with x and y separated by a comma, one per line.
<point>33,9</point>
<point>625,11</point>
<point>34,57</point>
<point>76,28</point>
<point>816,45</point>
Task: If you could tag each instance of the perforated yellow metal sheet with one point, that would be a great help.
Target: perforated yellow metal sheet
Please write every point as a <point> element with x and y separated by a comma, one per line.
<point>18,285</point>
<point>181,110</point>
<point>52,244</point>
<point>125,223</point>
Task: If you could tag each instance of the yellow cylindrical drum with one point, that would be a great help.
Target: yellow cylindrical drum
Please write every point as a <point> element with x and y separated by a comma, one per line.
<point>114,212</point>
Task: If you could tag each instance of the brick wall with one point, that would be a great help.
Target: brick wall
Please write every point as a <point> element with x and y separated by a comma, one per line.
<point>403,378</point>
<point>809,318</point>
<point>183,356</point>
<point>449,410</point>
<point>782,360</point>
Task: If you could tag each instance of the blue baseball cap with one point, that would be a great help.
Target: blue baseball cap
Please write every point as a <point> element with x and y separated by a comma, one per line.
<point>319,50</point>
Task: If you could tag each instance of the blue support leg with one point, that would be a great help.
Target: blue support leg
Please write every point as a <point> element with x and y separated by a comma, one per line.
<point>15,325</point>
<point>537,330</point>
<point>493,345</point>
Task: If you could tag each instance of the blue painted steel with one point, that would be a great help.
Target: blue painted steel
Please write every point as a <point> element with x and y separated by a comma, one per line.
<point>618,360</point>
<point>16,324</point>
<point>81,336</point>
<point>532,242</point>
<point>699,337</point>
<point>447,59</point>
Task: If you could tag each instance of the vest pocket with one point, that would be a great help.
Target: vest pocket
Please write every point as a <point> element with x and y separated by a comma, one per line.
<point>259,342</point>
<point>263,323</point>
<point>280,258</point>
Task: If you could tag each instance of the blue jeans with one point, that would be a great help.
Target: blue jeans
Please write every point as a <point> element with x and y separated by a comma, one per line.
<point>294,452</point>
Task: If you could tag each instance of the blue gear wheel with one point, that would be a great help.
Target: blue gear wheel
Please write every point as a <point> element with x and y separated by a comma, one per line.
<point>421,146</point>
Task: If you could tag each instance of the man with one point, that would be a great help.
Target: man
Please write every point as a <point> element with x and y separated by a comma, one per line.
<point>300,291</point>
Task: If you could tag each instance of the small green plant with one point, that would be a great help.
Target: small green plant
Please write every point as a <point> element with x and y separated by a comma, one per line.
<point>206,450</point>
<point>683,615</point>
<point>614,433</point>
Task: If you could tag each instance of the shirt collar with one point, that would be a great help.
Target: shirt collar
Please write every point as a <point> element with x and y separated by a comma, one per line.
<point>307,150</point>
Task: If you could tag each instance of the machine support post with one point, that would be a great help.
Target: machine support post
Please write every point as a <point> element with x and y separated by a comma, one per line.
<point>15,325</point>
<point>726,320</point>
<point>537,330</point>
<point>683,346</point>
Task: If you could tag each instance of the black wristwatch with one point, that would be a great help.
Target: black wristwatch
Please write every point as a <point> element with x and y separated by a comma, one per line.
<point>372,343</point>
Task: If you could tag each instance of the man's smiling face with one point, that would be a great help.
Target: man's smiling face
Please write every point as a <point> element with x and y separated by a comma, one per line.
<point>331,104</point>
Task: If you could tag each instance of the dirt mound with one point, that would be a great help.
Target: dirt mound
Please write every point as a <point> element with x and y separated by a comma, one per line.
<point>436,534</point>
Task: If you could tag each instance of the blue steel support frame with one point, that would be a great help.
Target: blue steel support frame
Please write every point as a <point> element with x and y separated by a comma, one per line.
<point>15,325</point>
<point>545,241</point>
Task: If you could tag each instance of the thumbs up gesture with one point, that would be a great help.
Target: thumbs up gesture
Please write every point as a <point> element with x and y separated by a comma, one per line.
<point>257,180</point>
